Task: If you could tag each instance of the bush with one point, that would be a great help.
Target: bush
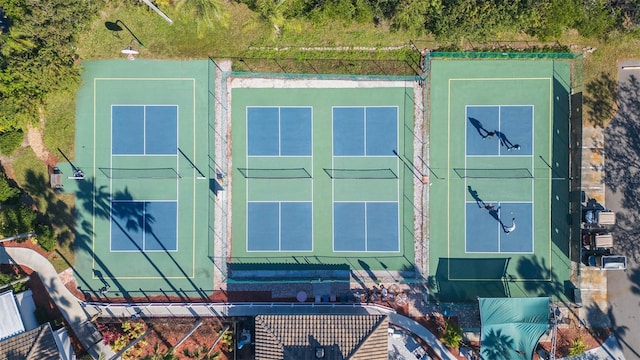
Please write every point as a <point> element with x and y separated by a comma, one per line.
<point>8,193</point>
<point>46,237</point>
<point>10,141</point>
<point>17,220</point>
<point>452,334</point>
<point>17,287</point>
<point>578,347</point>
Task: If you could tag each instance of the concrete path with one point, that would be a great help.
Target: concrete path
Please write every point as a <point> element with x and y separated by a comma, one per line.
<point>67,303</point>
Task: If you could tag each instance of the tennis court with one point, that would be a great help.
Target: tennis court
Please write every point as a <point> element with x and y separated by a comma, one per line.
<point>319,176</point>
<point>498,150</point>
<point>144,207</point>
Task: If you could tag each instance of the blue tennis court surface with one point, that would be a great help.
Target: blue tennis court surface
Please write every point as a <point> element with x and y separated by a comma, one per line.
<point>144,226</point>
<point>486,229</point>
<point>279,131</point>
<point>512,125</point>
<point>279,226</point>
<point>365,131</point>
<point>365,226</point>
<point>144,129</point>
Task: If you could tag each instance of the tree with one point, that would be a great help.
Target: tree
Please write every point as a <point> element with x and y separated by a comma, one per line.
<point>17,220</point>
<point>205,13</point>
<point>46,237</point>
<point>7,192</point>
<point>37,55</point>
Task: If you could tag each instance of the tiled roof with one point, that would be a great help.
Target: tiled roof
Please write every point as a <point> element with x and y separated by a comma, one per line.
<point>301,337</point>
<point>36,344</point>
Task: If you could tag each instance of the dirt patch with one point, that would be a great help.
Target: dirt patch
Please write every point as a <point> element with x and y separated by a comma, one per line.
<point>35,141</point>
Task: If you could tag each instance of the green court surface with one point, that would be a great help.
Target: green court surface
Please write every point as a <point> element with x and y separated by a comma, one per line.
<point>472,253</point>
<point>144,210</point>
<point>291,166</point>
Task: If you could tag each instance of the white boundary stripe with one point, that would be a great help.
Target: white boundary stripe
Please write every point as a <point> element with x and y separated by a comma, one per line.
<point>144,225</point>
<point>448,184</point>
<point>279,155</point>
<point>279,227</point>
<point>279,129</point>
<point>95,185</point>
<point>364,155</point>
<point>499,228</point>
<point>499,107</point>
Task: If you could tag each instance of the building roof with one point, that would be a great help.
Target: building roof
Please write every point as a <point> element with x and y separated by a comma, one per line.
<point>308,337</point>
<point>10,320</point>
<point>36,344</point>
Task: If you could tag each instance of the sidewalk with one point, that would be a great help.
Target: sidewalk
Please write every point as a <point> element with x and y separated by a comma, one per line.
<point>67,303</point>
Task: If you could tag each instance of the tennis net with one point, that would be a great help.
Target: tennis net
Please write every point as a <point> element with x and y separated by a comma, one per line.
<point>140,173</point>
<point>286,173</point>
<point>512,173</point>
<point>361,173</point>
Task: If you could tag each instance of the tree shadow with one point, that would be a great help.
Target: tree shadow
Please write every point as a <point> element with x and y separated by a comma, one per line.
<point>50,208</point>
<point>466,279</point>
<point>497,345</point>
<point>622,168</point>
<point>600,98</point>
<point>544,281</point>
<point>126,219</point>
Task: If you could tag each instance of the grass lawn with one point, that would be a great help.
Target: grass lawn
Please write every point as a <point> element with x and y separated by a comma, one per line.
<point>55,208</point>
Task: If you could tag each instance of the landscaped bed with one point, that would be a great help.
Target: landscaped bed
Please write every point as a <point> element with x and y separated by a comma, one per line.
<point>164,334</point>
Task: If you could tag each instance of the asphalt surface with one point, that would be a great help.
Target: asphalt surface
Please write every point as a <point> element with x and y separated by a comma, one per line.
<point>622,165</point>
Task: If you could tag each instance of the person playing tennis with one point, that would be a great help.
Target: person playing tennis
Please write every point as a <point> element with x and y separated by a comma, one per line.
<point>509,229</point>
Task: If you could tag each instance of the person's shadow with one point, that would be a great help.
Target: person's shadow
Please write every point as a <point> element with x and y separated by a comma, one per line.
<point>494,212</point>
<point>475,196</point>
<point>479,127</point>
<point>504,141</point>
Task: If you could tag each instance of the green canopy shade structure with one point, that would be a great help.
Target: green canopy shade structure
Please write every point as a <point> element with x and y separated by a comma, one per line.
<point>512,327</point>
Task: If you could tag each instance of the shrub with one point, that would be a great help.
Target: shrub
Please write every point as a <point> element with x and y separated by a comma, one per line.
<point>10,141</point>
<point>17,287</point>
<point>578,347</point>
<point>46,237</point>
<point>17,220</point>
<point>8,193</point>
<point>452,334</point>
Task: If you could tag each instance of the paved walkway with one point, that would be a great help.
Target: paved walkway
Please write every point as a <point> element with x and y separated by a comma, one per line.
<point>67,303</point>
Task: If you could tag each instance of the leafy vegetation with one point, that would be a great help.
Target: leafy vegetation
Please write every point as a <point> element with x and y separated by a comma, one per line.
<point>46,237</point>
<point>37,55</point>
<point>17,287</point>
<point>452,335</point>
<point>17,220</point>
<point>578,346</point>
<point>118,340</point>
<point>8,193</point>
<point>10,141</point>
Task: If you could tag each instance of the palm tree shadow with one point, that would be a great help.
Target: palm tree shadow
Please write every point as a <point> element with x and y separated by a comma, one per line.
<point>496,345</point>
